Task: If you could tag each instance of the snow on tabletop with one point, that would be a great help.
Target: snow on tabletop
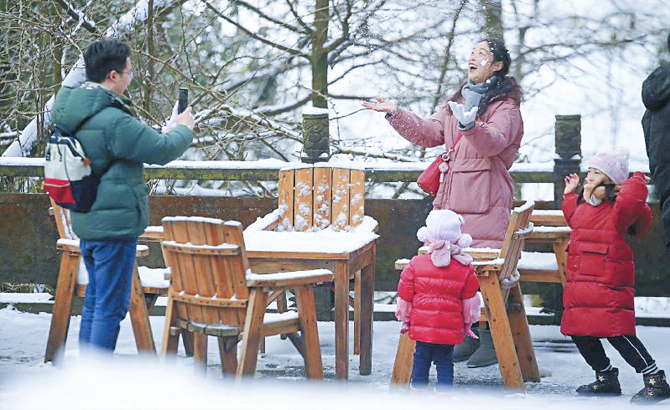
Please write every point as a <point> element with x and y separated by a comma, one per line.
<point>403,261</point>
<point>538,261</point>
<point>153,277</point>
<point>287,275</point>
<point>475,250</point>
<point>324,241</point>
<point>154,229</point>
<point>496,261</point>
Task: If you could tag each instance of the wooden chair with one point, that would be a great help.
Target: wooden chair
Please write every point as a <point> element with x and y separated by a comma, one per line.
<point>72,281</point>
<point>214,293</point>
<point>315,197</point>
<point>503,304</point>
<point>312,198</point>
<point>549,226</point>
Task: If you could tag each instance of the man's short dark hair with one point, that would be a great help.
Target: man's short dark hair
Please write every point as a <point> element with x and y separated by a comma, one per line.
<point>104,56</point>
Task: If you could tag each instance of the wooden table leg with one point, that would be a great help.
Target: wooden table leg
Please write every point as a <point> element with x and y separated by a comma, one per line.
<point>521,334</point>
<point>341,279</point>
<point>561,258</point>
<point>357,312</point>
<point>404,361</point>
<point>304,296</point>
<point>139,317</point>
<point>501,332</point>
<point>367,291</point>
<point>60,319</point>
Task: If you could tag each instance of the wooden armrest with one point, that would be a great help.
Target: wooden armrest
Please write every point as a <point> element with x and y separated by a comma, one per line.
<point>482,254</point>
<point>70,245</point>
<point>401,263</point>
<point>483,268</point>
<point>289,279</point>
<point>153,234</point>
<point>548,217</point>
<point>478,254</point>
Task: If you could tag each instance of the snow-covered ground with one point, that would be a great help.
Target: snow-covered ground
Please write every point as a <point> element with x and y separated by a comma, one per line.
<point>130,381</point>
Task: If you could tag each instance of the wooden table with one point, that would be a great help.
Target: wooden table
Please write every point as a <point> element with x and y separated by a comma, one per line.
<point>352,257</point>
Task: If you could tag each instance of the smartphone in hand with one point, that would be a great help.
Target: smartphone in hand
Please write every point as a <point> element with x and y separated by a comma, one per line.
<point>183,100</point>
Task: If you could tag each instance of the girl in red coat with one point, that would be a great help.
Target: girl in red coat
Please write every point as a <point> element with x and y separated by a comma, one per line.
<point>437,297</point>
<point>599,293</point>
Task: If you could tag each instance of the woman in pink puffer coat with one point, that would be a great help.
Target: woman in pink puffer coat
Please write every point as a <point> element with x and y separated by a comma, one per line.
<point>482,124</point>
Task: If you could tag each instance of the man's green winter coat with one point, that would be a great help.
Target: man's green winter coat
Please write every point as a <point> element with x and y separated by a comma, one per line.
<point>117,142</point>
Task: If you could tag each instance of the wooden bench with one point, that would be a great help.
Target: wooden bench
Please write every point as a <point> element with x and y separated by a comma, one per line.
<point>72,280</point>
<point>215,293</point>
<point>503,306</point>
<point>549,227</point>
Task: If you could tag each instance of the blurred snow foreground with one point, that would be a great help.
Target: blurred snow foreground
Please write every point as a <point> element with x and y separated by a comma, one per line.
<point>130,381</point>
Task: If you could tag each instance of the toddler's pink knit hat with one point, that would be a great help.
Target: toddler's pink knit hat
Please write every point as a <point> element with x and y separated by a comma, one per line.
<point>443,232</point>
<point>613,163</point>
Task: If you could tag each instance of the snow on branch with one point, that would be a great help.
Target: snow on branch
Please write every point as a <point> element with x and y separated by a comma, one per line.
<point>84,21</point>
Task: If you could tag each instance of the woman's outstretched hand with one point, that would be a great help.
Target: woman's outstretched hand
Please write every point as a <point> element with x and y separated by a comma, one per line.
<point>381,105</point>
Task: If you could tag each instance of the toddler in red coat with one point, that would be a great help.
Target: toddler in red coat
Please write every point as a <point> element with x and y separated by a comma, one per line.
<point>598,297</point>
<point>437,297</point>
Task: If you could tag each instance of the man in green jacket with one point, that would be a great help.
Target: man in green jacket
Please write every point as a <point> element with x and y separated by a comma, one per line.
<point>118,146</point>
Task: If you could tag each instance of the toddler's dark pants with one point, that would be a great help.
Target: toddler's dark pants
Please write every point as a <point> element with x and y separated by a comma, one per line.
<point>441,355</point>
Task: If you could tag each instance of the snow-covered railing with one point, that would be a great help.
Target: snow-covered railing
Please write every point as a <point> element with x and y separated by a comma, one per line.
<point>268,170</point>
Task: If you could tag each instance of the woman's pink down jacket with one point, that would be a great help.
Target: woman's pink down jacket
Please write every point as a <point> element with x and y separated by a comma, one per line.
<point>478,184</point>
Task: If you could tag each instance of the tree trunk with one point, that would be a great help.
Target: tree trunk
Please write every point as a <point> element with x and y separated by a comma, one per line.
<point>492,11</point>
<point>149,82</point>
<point>319,60</point>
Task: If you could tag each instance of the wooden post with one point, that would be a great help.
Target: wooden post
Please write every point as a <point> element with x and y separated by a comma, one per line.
<point>568,152</point>
<point>316,137</point>
<point>567,160</point>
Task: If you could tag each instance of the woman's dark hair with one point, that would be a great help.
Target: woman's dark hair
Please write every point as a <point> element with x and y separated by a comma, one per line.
<point>104,56</point>
<point>501,86</point>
